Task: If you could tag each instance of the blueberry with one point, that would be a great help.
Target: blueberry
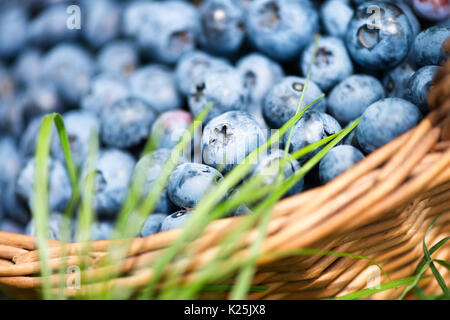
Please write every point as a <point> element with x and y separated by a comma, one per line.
<point>256,110</point>
<point>395,81</point>
<point>7,83</point>
<point>28,140</point>
<point>101,230</point>
<point>11,226</point>
<point>101,22</point>
<point>335,16</point>
<point>222,26</point>
<point>432,9</point>
<point>221,87</point>
<point>113,175</point>
<point>169,31</point>
<point>11,162</point>
<point>415,24</point>
<point>269,167</point>
<point>311,128</point>
<point>384,121</point>
<point>156,85</point>
<point>281,28</point>
<point>169,127</point>
<point>348,100</point>
<point>193,65</point>
<point>126,123</point>
<point>379,43</point>
<point>229,138</point>
<point>338,160</point>
<point>27,68</point>
<point>331,62</point>
<point>42,98</point>
<point>59,191</point>
<point>69,67</point>
<point>281,102</point>
<point>50,27</point>
<point>13,30</point>
<point>12,109</point>
<point>80,125</point>
<point>55,227</point>
<point>153,224</point>
<point>176,220</point>
<point>104,90</point>
<point>118,58</point>
<point>428,46</point>
<point>189,182</point>
<point>418,86</point>
<point>135,14</point>
<point>150,168</point>
<point>259,74</point>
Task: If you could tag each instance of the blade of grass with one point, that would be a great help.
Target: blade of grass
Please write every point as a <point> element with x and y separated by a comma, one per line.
<point>40,202</point>
<point>383,287</point>
<point>197,222</point>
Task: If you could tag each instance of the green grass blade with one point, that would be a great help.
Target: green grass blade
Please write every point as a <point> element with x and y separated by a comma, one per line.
<point>40,202</point>
<point>383,287</point>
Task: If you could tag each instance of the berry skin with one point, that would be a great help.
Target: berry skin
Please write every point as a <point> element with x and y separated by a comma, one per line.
<point>331,62</point>
<point>135,14</point>
<point>221,87</point>
<point>113,175</point>
<point>335,16</point>
<point>176,220</point>
<point>312,127</point>
<point>42,98</point>
<point>281,102</point>
<point>55,227</point>
<point>153,224</point>
<point>12,109</point>
<point>229,138</point>
<point>348,100</point>
<point>338,160</point>
<point>259,74</point>
<point>169,31</point>
<point>126,123</point>
<point>80,125</point>
<point>105,89</point>
<point>418,86</point>
<point>50,27</point>
<point>273,26</point>
<point>428,48</point>
<point>100,230</point>
<point>395,81</point>
<point>222,26</point>
<point>13,30</point>
<point>148,169</point>
<point>269,168</point>
<point>11,162</point>
<point>27,68</point>
<point>193,65</point>
<point>11,226</point>
<point>432,9</point>
<point>102,22</point>
<point>385,120</point>
<point>189,182</point>
<point>119,58</point>
<point>382,44</point>
<point>60,188</point>
<point>155,84</point>
<point>27,143</point>
<point>69,67</point>
<point>169,127</point>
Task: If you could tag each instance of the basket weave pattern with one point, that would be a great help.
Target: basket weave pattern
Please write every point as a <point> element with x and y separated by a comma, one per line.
<point>380,209</point>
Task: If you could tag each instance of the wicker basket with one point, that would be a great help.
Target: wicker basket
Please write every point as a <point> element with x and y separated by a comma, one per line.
<point>381,209</point>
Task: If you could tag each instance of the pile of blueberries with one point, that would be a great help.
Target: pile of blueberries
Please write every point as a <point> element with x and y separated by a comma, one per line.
<point>130,70</point>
